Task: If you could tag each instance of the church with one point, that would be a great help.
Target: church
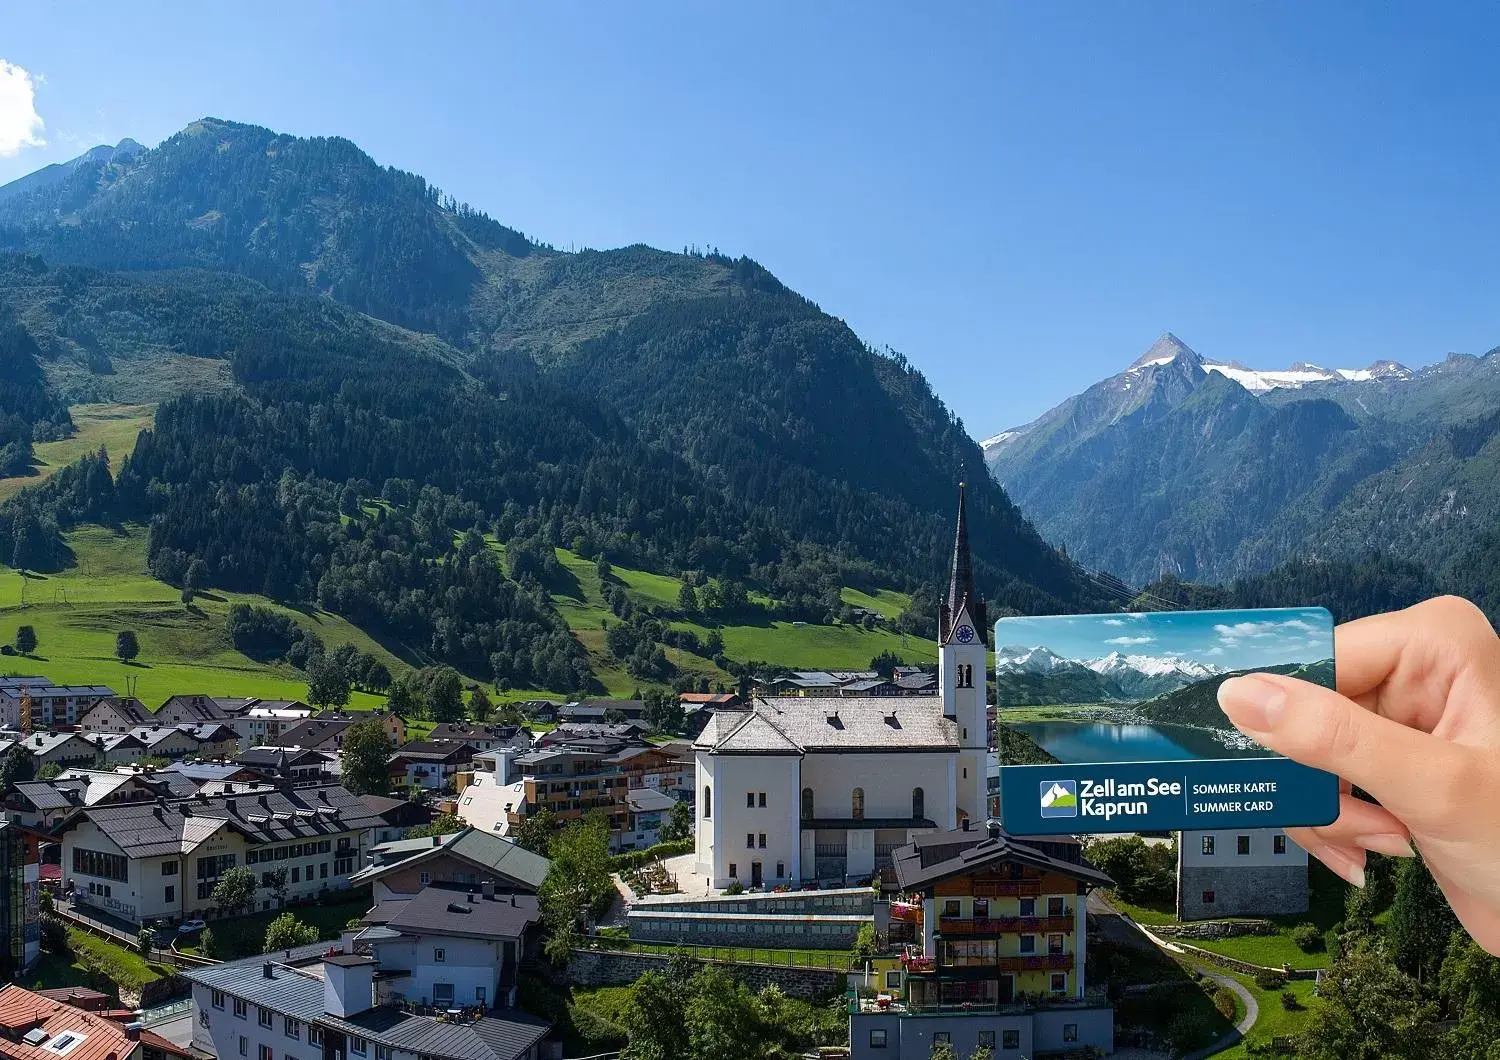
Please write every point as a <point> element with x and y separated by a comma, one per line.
<point>791,789</point>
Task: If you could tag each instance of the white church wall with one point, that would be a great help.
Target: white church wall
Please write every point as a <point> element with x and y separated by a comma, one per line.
<point>742,823</point>
<point>887,780</point>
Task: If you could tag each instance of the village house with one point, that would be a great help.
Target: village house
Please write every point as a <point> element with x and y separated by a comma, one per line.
<point>44,804</point>
<point>429,765</point>
<point>36,1026</point>
<point>315,734</point>
<point>115,714</point>
<point>295,764</point>
<point>579,776</point>
<point>482,737</point>
<point>397,817</point>
<point>60,749</point>
<point>393,723</point>
<point>1240,872</point>
<point>161,859</point>
<point>1000,953</point>
<point>459,861</point>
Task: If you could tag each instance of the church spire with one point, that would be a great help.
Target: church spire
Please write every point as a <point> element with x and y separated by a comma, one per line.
<point>961,580</point>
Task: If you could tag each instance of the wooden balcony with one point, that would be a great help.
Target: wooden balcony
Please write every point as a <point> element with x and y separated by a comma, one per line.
<point>1047,962</point>
<point>1040,962</point>
<point>952,927</point>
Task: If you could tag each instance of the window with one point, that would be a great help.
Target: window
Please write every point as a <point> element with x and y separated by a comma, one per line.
<point>1059,982</point>
<point>169,868</point>
<point>239,1009</point>
<point>101,864</point>
<point>479,995</point>
<point>382,1052</point>
<point>342,866</point>
<point>244,1046</point>
<point>1054,944</point>
<point>314,1035</point>
<point>442,993</point>
<point>708,802</point>
<point>169,894</point>
<point>761,841</point>
<point>987,1039</point>
<point>296,874</point>
<point>1028,907</point>
<point>424,878</point>
<point>780,869</point>
<point>950,907</point>
<point>941,1036</point>
<point>323,871</point>
<point>1278,844</point>
<point>965,676</point>
<point>439,954</point>
<point>981,909</point>
<point>749,800</point>
<point>1028,943</point>
<point>857,807</point>
<point>734,871</point>
<point>217,997</point>
<point>291,1027</point>
<point>1208,846</point>
<point>1070,1032</point>
<point>807,804</point>
<point>918,804</point>
<point>877,1038</point>
<point>358,1046</point>
<point>749,840</point>
<point>893,979</point>
<point>264,1015</point>
<point>1055,907</point>
<point>265,1053</point>
<point>1208,897</point>
<point>1010,1039</point>
<point>1242,845</point>
<point>761,799</point>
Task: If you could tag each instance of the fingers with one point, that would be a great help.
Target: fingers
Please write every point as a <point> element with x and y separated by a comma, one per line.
<point>1403,663</point>
<point>1419,778</point>
<point>1365,826</point>
<point>1346,861</point>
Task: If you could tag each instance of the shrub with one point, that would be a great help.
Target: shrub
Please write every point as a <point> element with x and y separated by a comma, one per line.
<point>634,859</point>
<point>1308,938</point>
<point>1289,1001</point>
<point>208,946</point>
<point>864,942</point>
<point>1270,980</point>
<point>1224,1002</point>
<point>735,887</point>
<point>54,934</point>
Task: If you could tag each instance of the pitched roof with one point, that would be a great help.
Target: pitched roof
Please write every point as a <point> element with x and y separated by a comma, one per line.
<point>199,708</point>
<point>495,853</point>
<point>756,734</point>
<point>315,733</point>
<point>789,726</point>
<point>955,853</point>
<point>428,750</point>
<point>128,707</point>
<point>436,911</point>
<point>648,800</point>
<point>45,796</point>
<point>22,1010</point>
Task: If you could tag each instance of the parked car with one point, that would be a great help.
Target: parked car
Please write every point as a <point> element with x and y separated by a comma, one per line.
<point>187,927</point>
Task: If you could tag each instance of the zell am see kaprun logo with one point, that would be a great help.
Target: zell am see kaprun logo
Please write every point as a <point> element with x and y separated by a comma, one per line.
<point>1059,798</point>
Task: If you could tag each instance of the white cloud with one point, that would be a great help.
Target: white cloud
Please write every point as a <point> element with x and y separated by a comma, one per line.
<point>1130,640</point>
<point>1216,650</point>
<point>20,124</point>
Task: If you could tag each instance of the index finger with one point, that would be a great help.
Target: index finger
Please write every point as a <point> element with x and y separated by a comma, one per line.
<point>1404,663</point>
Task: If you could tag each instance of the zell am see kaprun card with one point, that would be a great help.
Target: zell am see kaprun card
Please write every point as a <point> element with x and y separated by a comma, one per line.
<point>1111,723</point>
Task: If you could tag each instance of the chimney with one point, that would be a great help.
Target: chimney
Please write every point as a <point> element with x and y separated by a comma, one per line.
<point>489,889</point>
<point>437,840</point>
<point>966,824</point>
<point>470,896</point>
<point>229,805</point>
<point>133,1032</point>
<point>993,827</point>
<point>268,970</point>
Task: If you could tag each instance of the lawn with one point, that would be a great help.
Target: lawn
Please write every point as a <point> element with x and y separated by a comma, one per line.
<point>885,602</point>
<point>806,958</point>
<point>113,426</point>
<point>1274,1020</point>
<point>1272,951</point>
<point>244,936</point>
<point>96,963</point>
<point>77,612</point>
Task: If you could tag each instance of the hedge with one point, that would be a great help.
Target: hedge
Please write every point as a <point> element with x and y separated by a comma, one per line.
<point>634,859</point>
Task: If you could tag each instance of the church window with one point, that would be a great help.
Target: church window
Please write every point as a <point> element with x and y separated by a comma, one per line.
<point>1208,845</point>
<point>1278,844</point>
<point>918,804</point>
<point>807,804</point>
<point>965,675</point>
<point>762,799</point>
<point>858,808</point>
<point>1242,844</point>
<point>749,840</point>
<point>762,838</point>
<point>708,803</point>
<point>749,800</point>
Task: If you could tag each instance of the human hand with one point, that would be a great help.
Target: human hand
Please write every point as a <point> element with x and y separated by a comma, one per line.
<point>1416,724</point>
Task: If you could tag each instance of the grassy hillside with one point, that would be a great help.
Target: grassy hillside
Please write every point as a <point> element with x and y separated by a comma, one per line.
<point>77,613</point>
<point>113,426</point>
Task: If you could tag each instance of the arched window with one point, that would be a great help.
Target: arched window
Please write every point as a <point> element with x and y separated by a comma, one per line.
<point>807,804</point>
<point>918,807</point>
<point>859,804</point>
<point>708,803</point>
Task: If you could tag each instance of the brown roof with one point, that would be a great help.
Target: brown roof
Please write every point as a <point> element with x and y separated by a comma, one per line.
<point>22,1010</point>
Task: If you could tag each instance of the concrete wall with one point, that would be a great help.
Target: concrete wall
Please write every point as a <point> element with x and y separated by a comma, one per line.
<point>793,931</point>
<point>467,964</point>
<point>606,968</point>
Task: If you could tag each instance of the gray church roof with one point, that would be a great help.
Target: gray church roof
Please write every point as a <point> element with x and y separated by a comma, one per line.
<point>805,724</point>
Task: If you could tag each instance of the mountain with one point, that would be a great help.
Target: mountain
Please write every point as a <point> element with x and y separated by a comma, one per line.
<point>1198,704</point>
<point>87,165</point>
<point>1144,676</point>
<point>1208,470</point>
<point>1037,675</point>
<point>325,333</point>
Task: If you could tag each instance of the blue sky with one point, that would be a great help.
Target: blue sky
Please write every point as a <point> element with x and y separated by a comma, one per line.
<point>1230,640</point>
<point>1019,197</point>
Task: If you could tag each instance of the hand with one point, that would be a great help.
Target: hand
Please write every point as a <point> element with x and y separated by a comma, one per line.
<point>1416,724</point>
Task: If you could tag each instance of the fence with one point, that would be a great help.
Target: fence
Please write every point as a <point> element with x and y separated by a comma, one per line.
<point>832,960</point>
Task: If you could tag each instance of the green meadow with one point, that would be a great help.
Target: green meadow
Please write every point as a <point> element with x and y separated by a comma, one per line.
<point>113,426</point>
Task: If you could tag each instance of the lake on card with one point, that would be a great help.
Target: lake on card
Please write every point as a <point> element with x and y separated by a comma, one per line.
<point>1104,741</point>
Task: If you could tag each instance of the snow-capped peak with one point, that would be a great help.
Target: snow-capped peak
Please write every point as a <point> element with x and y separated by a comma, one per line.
<point>1036,660</point>
<point>1169,348</point>
<point>1151,665</point>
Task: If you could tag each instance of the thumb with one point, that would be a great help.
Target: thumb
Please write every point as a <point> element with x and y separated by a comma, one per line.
<point>1413,774</point>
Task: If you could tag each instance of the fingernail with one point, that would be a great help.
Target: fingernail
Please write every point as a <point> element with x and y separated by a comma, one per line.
<point>1348,868</point>
<point>1389,843</point>
<point>1252,704</point>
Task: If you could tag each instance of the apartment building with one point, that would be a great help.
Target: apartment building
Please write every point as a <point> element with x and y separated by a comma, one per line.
<point>1000,957</point>
<point>51,704</point>
<point>573,780</point>
<point>461,861</point>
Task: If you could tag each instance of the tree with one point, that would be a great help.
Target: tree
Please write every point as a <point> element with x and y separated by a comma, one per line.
<point>1470,986</point>
<point>1144,873</point>
<point>145,941</point>
<point>445,695</point>
<point>655,1018</point>
<point>578,884</point>
<point>480,705</point>
<point>401,699</point>
<point>1420,923</point>
<point>536,831</point>
<point>26,640</point>
<point>49,771</point>
<point>687,600</point>
<point>327,682</point>
<point>127,646</point>
<point>679,824</point>
<point>662,711</point>
<point>278,886</point>
<point>364,758</point>
<point>885,663</point>
<point>442,824</point>
<point>286,932</point>
<point>235,891</point>
<point>723,1019</point>
<point>1370,1010</point>
<point>16,767</point>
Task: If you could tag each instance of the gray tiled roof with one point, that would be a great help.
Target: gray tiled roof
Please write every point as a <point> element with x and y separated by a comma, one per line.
<point>811,724</point>
<point>503,856</point>
<point>437,911</point>
<point>973,851</point>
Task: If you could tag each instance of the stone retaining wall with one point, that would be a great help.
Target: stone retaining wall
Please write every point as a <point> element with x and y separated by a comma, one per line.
<point>1214,929</point>
<point>609,968</point>
<point>1245,967</point>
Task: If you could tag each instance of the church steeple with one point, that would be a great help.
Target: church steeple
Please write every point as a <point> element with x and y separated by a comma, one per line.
<point>961,581</point>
